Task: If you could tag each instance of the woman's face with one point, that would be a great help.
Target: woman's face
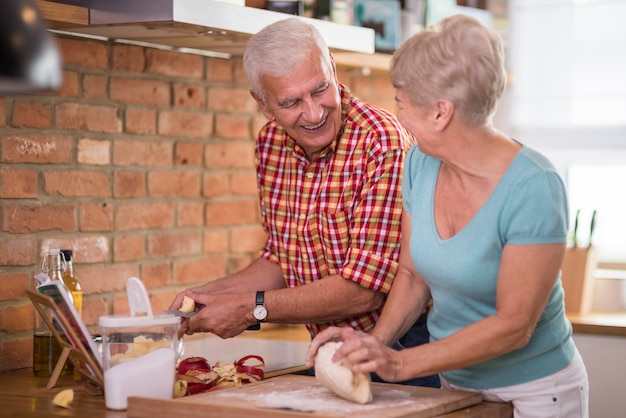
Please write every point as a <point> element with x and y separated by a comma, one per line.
<point>410,116</point>
<point>306,104</point>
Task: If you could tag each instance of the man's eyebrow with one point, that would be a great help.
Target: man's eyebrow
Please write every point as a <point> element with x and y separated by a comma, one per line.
<point>289,100</point>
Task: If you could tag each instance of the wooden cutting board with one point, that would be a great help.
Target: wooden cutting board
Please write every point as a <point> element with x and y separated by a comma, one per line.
<point>303,396</point>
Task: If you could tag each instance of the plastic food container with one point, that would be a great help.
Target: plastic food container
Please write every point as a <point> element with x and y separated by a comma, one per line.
<point>138,351</point>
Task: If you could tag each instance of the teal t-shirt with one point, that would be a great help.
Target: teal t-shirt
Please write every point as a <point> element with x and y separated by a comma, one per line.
<point>528,206</point>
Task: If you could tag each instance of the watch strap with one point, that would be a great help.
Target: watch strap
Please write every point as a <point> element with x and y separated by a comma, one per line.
<point>260,298</point>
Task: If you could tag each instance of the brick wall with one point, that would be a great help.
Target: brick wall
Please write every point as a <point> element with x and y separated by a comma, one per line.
<point>142,163</point>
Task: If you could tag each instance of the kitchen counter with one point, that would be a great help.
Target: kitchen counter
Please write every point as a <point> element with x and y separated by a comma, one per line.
<point>613,324</point>
<point>283,348</point>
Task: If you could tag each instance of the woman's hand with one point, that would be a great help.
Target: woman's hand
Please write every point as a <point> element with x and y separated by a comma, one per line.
<point>365,352</point>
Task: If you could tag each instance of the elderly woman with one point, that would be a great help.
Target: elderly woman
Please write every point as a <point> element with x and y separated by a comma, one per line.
<point>484,230</point>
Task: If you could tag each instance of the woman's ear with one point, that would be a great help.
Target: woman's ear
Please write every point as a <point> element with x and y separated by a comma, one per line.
<point>444,109</point>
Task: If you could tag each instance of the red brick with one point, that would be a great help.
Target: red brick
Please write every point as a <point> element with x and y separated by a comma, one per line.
<point>174,244</point>
<point>144,216</point>
<point>143,153</point>
<point>77,116</point>
<point>199,271</point>
<point>231,99</point>
<point>41,149</point>
<point>161,300</point>
<point>240,74</point>
<point>185,124</point>
<point>94,87</point>
<point>139,91</point>
<point>190,214</point>
<point>155,274</point>
<point>229,155</point>
<point>70,86</point>
<point>215,183</point>
<point>94,152</point>
<point>76,183</point>
<point>189,95</point>
<point>172,183</point>
<point>32,115</point>
<point>141,121</point>
<point>106,278</point>
<point>3,112</point>
<point>188,153</point>
<point>87,249</point>
<point>128,248</point>
<point>234,212</point>
<point>17,318</point>
<point>93,309</point>
<point>95,217</point>
<point>232,126</point>
<point>14,283</point>
<point>16,183</point>
<point>16,354</point>
<point>220,70</point>
<point>83,53</point>
<point>244,183</point>
<point>129,184</point>
<point>128,58</point>
<point>174,64</point>
<point>17,252</point>
<point>216,241</point>
<point>36,217</point>
<point>248,238</point>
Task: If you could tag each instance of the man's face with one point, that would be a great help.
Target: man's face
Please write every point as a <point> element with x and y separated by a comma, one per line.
<point>306,104</point>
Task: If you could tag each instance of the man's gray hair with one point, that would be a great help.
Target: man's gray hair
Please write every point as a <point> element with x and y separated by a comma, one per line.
<point>278,48</point>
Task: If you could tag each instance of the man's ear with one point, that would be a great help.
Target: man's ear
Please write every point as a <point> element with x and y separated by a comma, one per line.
<point>268,115</point>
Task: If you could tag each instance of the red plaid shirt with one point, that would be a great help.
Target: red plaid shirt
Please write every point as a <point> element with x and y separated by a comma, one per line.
<point>341,213</point>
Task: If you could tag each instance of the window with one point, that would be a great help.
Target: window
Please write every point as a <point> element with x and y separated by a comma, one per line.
<point>599,187</point>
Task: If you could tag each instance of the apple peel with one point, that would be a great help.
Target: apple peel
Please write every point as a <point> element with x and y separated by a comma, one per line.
<point>248,369</point>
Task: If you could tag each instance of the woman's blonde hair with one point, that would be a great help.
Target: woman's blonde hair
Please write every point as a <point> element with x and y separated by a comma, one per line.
<point>459,60</point>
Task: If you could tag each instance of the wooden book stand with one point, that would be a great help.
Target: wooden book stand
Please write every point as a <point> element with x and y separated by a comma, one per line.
<point>89,369</point>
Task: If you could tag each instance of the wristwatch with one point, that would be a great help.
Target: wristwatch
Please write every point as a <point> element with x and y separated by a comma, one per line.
<point>260,311</point>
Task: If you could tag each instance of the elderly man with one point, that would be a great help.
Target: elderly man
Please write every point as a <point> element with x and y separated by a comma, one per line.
<point>329,180</point>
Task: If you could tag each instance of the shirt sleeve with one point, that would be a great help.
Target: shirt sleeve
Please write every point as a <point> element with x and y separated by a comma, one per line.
<point>372,258</point>
<point>536,211</point>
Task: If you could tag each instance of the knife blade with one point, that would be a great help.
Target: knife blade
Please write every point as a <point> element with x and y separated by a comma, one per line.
<point>592,228</point>
<point>179,313</point>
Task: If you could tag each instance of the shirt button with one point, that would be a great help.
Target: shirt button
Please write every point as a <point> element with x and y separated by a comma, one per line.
<point>302,216</point>
<point>305,257</point>
<point>309,175</point>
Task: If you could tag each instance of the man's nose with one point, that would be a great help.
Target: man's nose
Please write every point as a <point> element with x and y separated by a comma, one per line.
<point>312,111</point>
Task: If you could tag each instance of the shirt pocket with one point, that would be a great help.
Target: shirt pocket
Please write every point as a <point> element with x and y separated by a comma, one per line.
<point>335,237</point>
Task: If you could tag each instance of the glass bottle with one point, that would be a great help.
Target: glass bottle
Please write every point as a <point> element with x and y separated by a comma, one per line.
<point>69,278</point>
<point>46,348</point>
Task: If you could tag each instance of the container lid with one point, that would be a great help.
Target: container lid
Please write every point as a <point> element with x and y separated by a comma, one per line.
<point>140,309</point>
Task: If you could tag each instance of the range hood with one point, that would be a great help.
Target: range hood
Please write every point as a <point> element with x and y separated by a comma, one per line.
<point>213,27</point>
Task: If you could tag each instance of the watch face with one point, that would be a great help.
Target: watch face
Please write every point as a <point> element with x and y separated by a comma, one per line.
<point>259,312</point>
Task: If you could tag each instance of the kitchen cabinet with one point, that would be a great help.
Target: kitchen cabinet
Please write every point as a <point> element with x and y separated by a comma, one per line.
<point>213,27</point>
<point>604,358</point>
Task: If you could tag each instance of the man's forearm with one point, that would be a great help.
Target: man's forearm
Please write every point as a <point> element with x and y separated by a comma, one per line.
<point>330,299</point>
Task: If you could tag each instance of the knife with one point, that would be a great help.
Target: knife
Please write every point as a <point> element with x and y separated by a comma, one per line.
<point>255,327</point>
<point>592,227</point>
<point>179,313</point>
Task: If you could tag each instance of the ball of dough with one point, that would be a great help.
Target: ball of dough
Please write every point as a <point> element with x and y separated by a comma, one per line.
<point>340,379</point>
